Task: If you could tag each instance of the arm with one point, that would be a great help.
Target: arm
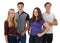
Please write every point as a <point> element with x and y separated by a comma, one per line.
<point>6,38</point>
<point>6,31</point>
<point>27,27</point>
<point>46,30</point>
<point>27,22</point>
<point>53,23</point>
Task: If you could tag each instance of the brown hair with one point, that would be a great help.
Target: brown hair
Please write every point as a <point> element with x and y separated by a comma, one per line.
<point>39,15</point>
<point>20,3</point>
<point>47,3</point>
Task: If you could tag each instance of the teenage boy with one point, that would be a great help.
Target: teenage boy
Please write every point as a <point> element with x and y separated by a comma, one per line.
<point>22,19</point>
<point>50,18</point>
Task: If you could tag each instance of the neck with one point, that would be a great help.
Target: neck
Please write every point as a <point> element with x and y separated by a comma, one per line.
<point>36,18</point>
<point>20,12</point>
<point>48,12</point>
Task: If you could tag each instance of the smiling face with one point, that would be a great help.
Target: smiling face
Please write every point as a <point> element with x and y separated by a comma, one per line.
<point>35,12</point>
<point>48,7</point>
<point>11,13</point>
<point>37,15</point>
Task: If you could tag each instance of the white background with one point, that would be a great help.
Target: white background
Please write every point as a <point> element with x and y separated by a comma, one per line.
<point>29,5</point>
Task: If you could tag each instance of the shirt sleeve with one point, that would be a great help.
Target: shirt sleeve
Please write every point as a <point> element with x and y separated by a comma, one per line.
<point>5,28</point>
<point>27,18</point>
<point>44,17</point>
<point>54,16</point>
<point>43,22</point>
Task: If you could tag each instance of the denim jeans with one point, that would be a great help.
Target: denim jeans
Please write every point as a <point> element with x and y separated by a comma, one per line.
<point>12,39</point>
<point>21,39</point>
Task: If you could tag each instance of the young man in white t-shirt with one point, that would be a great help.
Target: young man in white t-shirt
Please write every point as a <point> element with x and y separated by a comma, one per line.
<point>50,18</point>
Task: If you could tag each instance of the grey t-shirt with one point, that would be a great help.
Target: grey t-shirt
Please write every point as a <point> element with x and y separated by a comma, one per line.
<point>49,18</point>
<point>21,20</point>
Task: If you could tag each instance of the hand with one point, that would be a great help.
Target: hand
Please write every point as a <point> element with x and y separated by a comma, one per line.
<point>22,33</point>
<point>17,37</point>
<point>40,35</point>
<point>28,32</point>
<point>50,23</point>
<point>6,41</point>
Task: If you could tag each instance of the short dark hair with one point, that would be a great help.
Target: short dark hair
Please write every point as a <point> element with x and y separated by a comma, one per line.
<point>47,3</point>
<point>20,3</point>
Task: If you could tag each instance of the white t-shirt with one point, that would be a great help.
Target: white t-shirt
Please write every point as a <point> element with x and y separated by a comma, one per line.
<point>49,18</point>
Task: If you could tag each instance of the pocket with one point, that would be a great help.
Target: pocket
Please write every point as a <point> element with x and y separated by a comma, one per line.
<point>37,36</point>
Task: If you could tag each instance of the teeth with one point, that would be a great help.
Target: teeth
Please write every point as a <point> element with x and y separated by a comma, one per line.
<point>12,16</point>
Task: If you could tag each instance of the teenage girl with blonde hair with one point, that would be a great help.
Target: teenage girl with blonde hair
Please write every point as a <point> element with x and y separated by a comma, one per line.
<point>10,27</point>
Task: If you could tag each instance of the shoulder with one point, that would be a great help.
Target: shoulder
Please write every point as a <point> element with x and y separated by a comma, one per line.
<point>43,21</point>
<point>43,14</point>
<point>26,13</point>
<point>6,22</point>
<point>53,15</point>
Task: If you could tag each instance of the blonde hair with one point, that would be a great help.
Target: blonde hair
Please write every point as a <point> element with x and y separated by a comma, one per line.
<point>13,21</point>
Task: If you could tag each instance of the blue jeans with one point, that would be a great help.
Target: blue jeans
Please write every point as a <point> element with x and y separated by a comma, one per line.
<point>12,39</point>
<point>21,39</point>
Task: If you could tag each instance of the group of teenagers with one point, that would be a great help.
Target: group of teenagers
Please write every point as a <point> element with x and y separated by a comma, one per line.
<point>39,26</point>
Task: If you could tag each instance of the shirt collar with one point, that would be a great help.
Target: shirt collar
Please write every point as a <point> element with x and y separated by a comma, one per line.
<point>21,13</point>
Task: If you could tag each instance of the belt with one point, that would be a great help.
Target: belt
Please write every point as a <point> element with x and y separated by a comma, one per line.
<point>12,35</point>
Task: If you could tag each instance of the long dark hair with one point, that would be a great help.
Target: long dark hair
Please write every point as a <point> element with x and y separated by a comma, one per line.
<point>39,15</point>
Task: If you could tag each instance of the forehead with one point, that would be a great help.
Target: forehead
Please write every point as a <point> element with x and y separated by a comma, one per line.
<point>35,10</point>
<point>48,5</point>
<point>20,5</point>
<point>11,11</point>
